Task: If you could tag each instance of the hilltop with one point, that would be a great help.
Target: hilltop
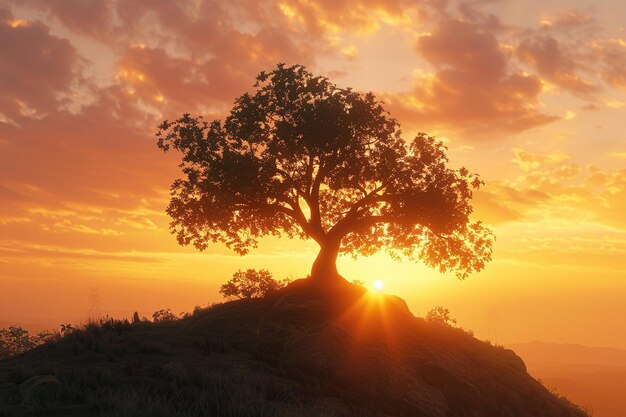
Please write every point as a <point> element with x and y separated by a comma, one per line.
<point>303,351</point>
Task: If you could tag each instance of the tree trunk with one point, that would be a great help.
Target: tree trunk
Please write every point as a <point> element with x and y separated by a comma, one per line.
<point>325,266</point>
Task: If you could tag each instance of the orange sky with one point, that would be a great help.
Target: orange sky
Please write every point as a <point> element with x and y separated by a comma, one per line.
<point>530,94</point>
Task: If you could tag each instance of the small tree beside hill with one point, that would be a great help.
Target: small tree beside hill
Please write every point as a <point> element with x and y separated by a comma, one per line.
<point>163,315</point>
<point>440,315</point>
<point>251,284</point>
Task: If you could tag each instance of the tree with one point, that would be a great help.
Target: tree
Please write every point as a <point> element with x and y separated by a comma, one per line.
<point>163,315</point>
<point>440,315</point>
<point>251,284</point>
<point>302,157</point>
<point>16,340</point>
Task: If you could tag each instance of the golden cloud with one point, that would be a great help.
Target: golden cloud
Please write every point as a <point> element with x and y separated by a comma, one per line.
<point>473,90</point>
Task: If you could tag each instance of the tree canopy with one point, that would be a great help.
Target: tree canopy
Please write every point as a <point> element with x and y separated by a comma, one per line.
<point>303,157</point>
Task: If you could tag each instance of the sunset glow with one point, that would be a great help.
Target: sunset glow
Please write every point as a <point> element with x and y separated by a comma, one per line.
<point>531,95</point>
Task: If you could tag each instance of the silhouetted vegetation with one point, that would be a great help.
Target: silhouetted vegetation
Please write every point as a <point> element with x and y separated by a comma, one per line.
<point>163,315</point>
<point>251,284</point>
<point>16,340</point>
<point>440,315</point>
<point>305,158</point>
<point>300,351</point>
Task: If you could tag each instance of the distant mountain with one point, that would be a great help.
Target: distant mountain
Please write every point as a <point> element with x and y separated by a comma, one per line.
<point>304,351</point>
<point>594,377</point>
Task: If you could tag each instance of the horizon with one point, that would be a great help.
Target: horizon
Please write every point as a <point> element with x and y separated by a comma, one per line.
<point>530,95</point>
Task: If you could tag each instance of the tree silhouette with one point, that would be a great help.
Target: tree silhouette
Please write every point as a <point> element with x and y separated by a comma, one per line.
<point>251,284</point>
<point>440,315</point>
<point>15,341</point>
<point>302,157</point>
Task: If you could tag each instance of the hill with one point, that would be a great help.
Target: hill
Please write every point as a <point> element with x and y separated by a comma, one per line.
<point>594,377</point>
<point>304,351</point>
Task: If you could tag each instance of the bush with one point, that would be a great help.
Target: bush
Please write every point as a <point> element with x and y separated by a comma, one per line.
<point>252,284</point>
<point>15,340</point>
<point>440,315</point>
<point>164,315</point>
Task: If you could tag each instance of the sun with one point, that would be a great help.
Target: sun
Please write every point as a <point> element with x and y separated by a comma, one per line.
<point>378,285</point>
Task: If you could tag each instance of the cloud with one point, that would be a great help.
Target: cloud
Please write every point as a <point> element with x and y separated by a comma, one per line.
<point>502,202</point>
<point>190,54</point>
<point>555,244</point>
<point>566,20</point>
<point>551,188</point>
<point>546,55</point>
<point>322,17</point>
<point>36,68</point>
<point>473,88</point>
<point>174,84</point>
<point>459,44</point>
<point>557,212</point>
<point>334,27</point>
<point>91,17</point>
<point>20,252</point>
<point>574,52</point>
<point>8,195</point>
<point>490,208</point>
<point>611,55</point>
<point>529,161</point>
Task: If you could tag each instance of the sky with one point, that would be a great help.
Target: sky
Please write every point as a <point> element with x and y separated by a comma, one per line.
<point>531,95</point>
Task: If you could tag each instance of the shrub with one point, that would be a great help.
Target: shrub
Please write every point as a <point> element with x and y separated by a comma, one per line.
<point>163,315</point>
<point>16,340</point>
<point>66,329</point>
<point>440,315</point>
<point>252,284</point>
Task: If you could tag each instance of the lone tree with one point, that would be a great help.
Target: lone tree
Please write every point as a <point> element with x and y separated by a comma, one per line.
<point>305,158</point>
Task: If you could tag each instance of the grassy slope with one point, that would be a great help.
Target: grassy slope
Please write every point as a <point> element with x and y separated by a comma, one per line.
<point>302,352</point>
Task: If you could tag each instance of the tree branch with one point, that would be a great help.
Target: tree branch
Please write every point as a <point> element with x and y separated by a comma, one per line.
<point>309,175</point>
<point>371,197</point>
<point>347,225</point>
<point>314,197</point>
<point>306,226</point>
